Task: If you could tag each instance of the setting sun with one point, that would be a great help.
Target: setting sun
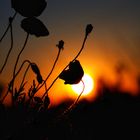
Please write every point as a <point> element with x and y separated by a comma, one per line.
<point>89,85</point>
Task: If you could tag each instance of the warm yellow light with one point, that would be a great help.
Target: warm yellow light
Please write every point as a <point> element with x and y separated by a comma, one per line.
<point>89,85</point>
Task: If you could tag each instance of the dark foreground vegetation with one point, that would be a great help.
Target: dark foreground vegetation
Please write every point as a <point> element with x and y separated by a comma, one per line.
<point>113,115</point>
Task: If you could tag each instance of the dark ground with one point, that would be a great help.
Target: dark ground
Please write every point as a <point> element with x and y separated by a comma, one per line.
<point>113,115</point>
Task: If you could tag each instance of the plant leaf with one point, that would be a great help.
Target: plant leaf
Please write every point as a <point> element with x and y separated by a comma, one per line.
<point>34,26</point>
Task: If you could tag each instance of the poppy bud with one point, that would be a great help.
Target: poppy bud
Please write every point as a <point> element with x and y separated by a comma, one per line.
<point>35,68</point>
<point>89,29</point>
<point>39,79</point>
<point>61,44</point>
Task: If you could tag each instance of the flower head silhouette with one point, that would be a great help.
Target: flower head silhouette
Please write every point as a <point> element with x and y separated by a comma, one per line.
<point>29,8</point>
<point>34,26</point>
<point>60,45</point>
<point>73,74</point>
<point>89,29</point>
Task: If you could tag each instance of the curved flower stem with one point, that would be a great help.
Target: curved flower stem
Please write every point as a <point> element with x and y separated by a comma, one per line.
<point>53,65</point>
<point>11,84</point>
<point>25,61</point>
<point>11,30</point>
<point>18,59</point>
<point>8,27</point>
<point>75,103</point>
<point>20,53</point>
<point>81,48</point>
<point>80,93</point>
<point>14,79</point>
<point>67,65</point>
<point>24,75</point>
<point>44,82</point>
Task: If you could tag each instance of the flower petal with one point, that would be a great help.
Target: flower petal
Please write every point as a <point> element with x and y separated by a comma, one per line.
<point>34,26</point>
<point>29,8</point>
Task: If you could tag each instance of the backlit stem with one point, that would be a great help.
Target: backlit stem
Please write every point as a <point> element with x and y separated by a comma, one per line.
<point>8,27</point>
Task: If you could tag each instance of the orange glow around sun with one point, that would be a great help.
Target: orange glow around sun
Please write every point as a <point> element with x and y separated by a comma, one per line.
<point>89,85</point>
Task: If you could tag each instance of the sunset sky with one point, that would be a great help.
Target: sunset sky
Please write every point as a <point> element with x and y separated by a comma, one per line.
<point>115,38</point>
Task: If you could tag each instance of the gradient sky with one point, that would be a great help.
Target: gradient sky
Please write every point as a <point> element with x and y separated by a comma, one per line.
<point>115,39</point>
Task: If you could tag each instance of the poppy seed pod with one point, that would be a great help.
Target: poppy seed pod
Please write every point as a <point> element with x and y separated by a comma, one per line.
<point>35,69</point>
<point>34,26</point>
<point>29,8</point>
<point>89,29</point>
<point>60,45</point>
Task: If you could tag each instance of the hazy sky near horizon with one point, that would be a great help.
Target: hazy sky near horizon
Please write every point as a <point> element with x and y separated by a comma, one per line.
<point>116,36</point>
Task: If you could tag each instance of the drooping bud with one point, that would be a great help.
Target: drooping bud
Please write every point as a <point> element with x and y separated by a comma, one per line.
<point>39,79</point>
<point>35,69</point>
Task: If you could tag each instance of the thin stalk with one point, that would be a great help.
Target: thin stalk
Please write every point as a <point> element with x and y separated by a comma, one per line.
<point>8,54</point>
<point>24,75</point>
<point>25,61</point>
<point>67,65</point>
<point>80,93</point>
<point>53,65</point>
<point>18,58</point>
<point>14,78</point>
<point>76,101</point>
<point>44,82</point>
<point>80,49</point>
<point>20,53</point>
<point>8,27</point>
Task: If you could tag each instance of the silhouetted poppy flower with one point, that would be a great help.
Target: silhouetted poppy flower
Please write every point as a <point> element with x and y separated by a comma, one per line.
<point>89,29</point>
<point>34,26</point>
<point>60,45</point>
<point>29,8</point>
<point>73,74</point>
